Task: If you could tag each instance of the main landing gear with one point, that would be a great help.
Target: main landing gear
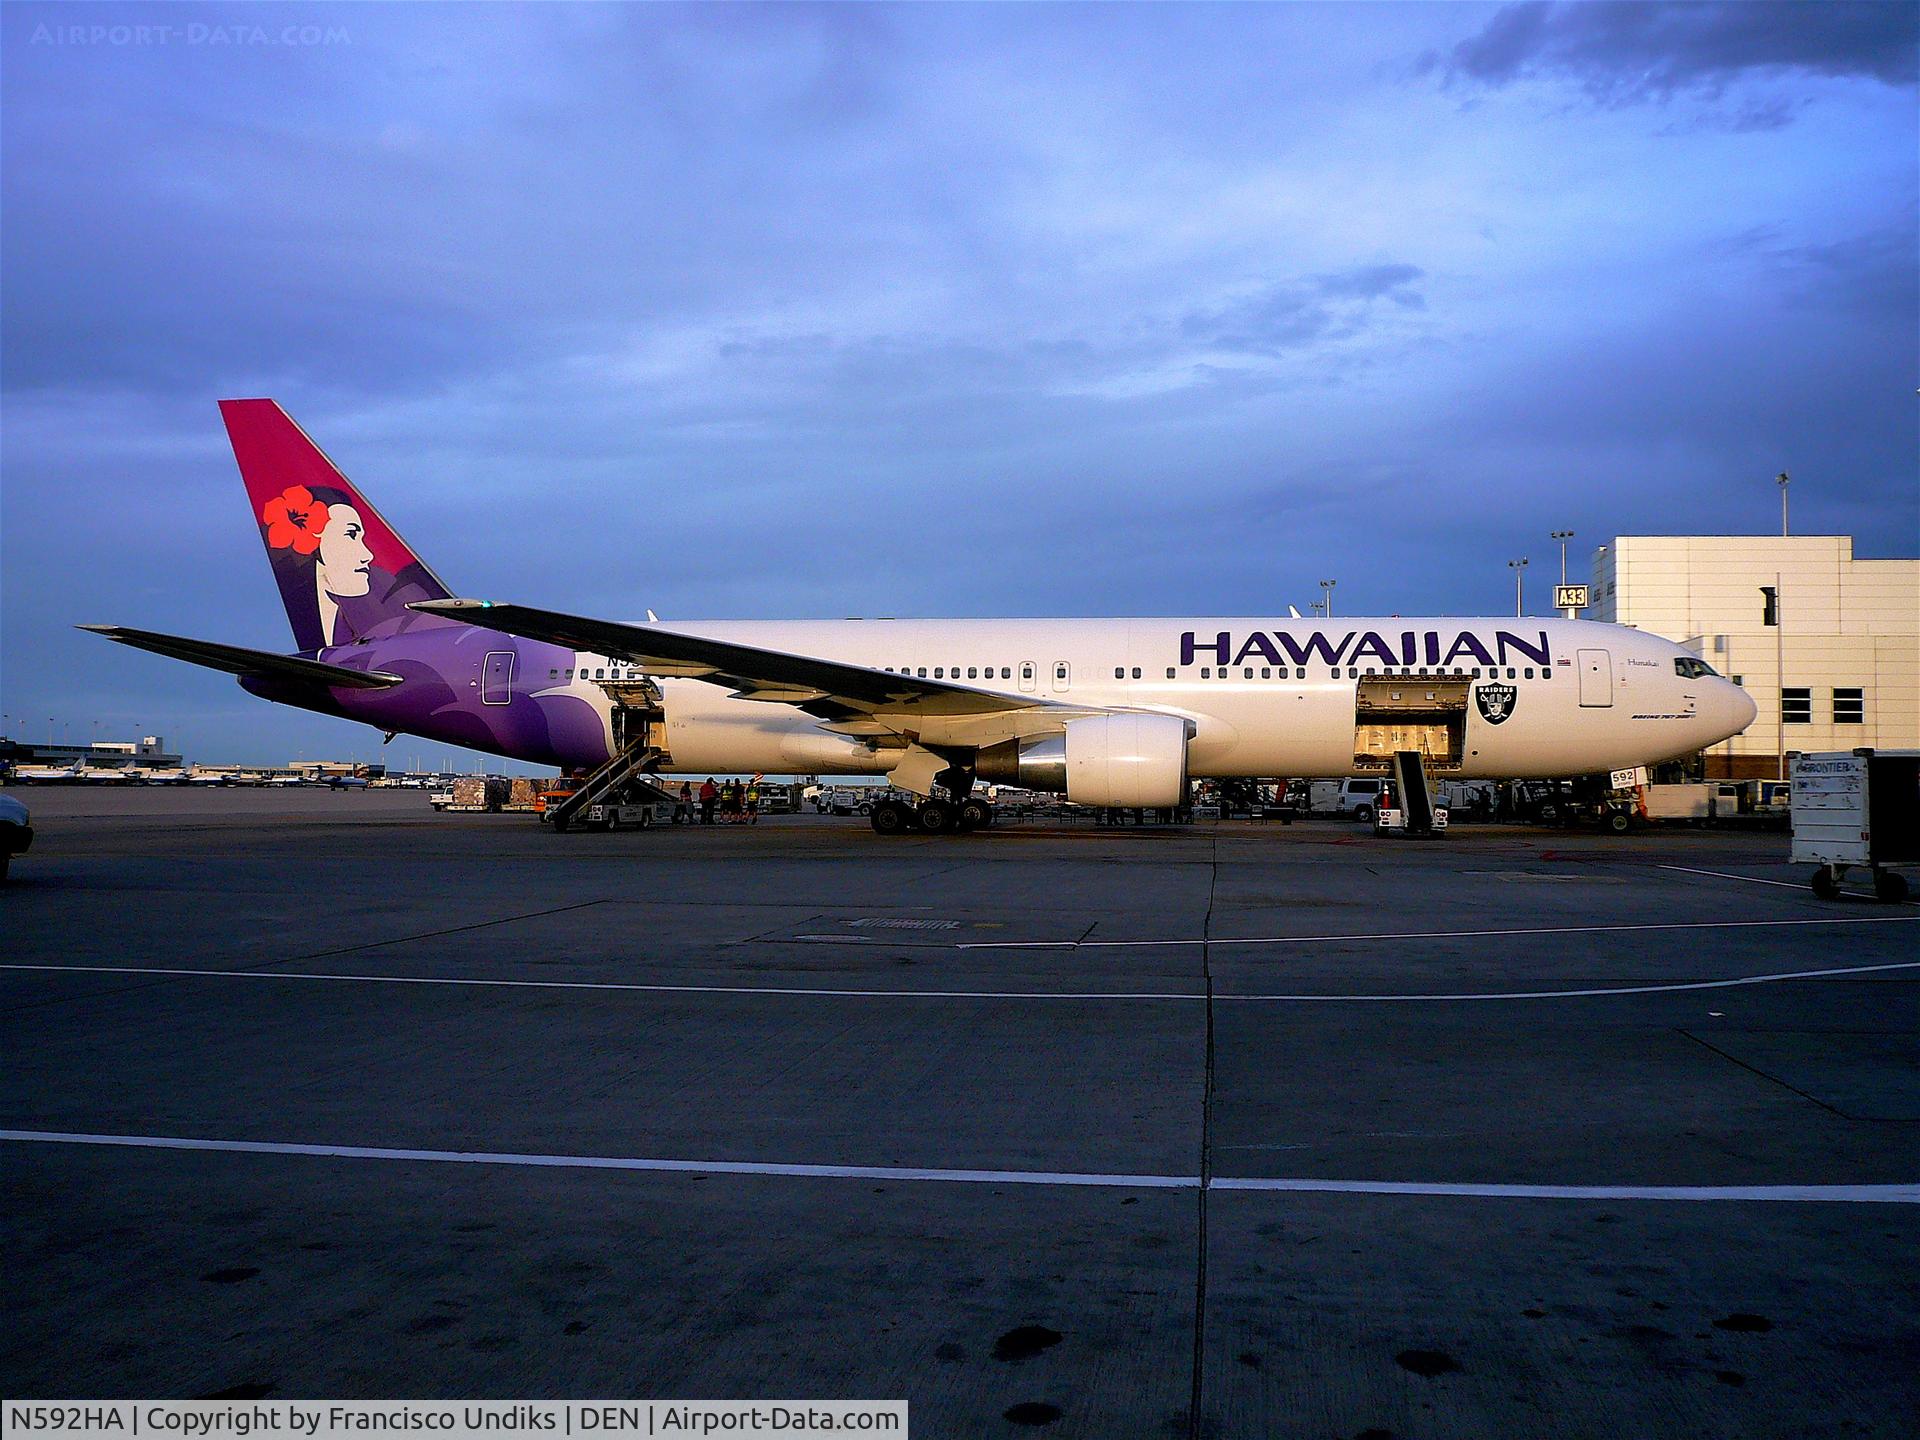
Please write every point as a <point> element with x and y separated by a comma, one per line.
<point>931,816</point>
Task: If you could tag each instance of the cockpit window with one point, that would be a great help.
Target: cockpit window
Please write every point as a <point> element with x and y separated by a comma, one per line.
<point>1690,669</point>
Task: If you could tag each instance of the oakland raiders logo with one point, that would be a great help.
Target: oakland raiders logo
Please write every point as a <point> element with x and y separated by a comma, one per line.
<point>1495,702</point>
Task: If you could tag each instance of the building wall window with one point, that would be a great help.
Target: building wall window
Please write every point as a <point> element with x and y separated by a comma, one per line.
<point>1796,705</point>
<point>1849,706</point>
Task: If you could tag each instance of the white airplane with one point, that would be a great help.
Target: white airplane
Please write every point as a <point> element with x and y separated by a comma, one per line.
<point>1108,712</point>
<point>51,774</point>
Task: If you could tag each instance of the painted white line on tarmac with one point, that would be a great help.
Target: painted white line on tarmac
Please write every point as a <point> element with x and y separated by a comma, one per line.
<point>618,985</point>
<point>1436,934</point>
<point>1750,879</point>
<point>1883,1194</point>
<point>1667,988</point>
<point>823,992</point>
<point>1801,886</point>
<point>612,1162</point>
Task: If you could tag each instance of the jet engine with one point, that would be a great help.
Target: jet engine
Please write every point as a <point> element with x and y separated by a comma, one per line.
<point>1129,760</point>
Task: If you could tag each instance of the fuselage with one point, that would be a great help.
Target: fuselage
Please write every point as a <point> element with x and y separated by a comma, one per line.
<point>1265,697</point>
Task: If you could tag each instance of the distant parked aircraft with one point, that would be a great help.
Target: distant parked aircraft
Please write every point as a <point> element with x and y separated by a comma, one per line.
<point>51,774</point>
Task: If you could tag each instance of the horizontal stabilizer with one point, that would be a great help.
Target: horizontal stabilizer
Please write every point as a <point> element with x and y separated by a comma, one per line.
<point>238,660</point>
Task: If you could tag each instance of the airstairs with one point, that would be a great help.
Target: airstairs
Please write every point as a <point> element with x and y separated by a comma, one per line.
<point>636,713</point>
<point>623,777</point>
<point>1410,784</point>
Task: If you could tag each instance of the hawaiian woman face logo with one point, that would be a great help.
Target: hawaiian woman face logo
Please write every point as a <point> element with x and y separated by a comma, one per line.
<point>344,556</point>
<point>300,521</point>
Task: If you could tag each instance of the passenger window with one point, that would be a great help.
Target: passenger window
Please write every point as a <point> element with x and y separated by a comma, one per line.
<point>1206,672</point>
<point>1529,672</point>
<point>1169,672</point>
<point>1136,672</point>
<point>1353,673</point>
<point>1266,672</point>
<point>1006,672</point>
<point>1510,674</point>
<point>1119,672</point>
<point>923,672</point>
<point>939,672</point>
<point>973,672</point>
<point>1248,672</point>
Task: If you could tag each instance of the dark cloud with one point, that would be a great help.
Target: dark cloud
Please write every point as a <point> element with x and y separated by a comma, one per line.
<point>1639,49</point>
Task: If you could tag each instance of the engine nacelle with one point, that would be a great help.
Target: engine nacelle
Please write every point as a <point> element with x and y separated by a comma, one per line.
<point>1128,760</point>
<point>1134,761</point>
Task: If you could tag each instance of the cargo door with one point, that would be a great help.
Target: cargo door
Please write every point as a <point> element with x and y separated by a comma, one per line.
<point>496,678</point>
<point>1422,714</point>
<point>1596,678</point>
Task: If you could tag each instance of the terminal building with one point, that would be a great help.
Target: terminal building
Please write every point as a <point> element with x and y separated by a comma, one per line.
<point>148,753</point>
<point>1839,670</point>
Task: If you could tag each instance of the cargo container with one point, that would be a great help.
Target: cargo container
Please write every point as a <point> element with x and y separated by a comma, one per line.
<point>1856,809</point>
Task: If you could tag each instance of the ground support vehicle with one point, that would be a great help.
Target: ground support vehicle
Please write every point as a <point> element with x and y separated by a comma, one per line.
<point>16,831</point>
<point>1856,809</point>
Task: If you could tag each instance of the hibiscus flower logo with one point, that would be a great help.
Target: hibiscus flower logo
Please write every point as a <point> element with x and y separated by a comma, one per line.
<point>294,519</point>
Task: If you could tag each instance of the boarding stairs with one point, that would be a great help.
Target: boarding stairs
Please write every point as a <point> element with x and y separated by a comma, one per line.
<point>623,777</point>
<point>1410,784</point>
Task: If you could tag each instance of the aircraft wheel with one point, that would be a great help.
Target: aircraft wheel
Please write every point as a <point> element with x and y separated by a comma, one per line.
<point>1890,887</point>
<point>937,817</point>
<point>890,817</point>
<point>1825,885</point>
<point>975,814</point>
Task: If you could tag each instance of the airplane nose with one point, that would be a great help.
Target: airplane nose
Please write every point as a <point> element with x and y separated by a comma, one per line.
<point>1740,708</point>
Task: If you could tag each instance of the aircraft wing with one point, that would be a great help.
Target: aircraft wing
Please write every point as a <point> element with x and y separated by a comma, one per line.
<point>238,660</point>
<point>829,688</point>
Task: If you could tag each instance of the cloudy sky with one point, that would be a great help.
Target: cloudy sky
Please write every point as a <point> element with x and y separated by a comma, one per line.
<point>1013,310</point>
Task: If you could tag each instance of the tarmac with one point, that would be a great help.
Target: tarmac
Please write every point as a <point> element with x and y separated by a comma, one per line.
<point>1223,1130</point>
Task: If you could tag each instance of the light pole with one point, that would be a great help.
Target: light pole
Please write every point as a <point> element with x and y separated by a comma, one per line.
<point>1519,568</point>
<point>1327,585</point>
<point>1563,536</point>
<point>1782,480</point>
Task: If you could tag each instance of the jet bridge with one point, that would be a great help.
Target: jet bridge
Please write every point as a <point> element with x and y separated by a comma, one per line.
<point>1425,715</point>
